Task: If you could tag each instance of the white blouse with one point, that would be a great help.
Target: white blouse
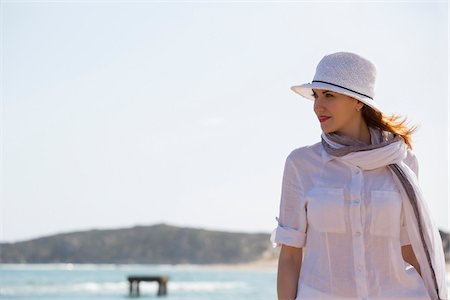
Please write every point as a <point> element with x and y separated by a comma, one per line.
<point>350,224</point>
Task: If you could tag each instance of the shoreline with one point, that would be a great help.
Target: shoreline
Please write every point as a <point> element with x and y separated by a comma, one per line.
<point>262,265</point>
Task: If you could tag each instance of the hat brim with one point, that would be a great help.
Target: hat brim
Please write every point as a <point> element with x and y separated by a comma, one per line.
<point>305,90</point>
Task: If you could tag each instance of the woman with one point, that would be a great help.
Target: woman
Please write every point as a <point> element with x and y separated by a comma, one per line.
<point>353,223</point>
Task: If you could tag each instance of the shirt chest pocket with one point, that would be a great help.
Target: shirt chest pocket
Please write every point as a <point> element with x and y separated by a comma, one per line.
<point>385,213</point>
<point>326,209</point>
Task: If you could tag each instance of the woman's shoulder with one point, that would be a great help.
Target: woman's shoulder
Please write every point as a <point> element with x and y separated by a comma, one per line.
<point>305,153</point>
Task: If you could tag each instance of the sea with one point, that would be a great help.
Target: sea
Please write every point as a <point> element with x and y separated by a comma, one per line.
<point>109,281</point>
<point>97,281</point>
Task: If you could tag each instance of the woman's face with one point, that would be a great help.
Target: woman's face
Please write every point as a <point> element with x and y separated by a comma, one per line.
<point>340,109</point>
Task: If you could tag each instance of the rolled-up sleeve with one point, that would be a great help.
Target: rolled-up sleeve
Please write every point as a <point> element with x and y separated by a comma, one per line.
<point>292,220</point>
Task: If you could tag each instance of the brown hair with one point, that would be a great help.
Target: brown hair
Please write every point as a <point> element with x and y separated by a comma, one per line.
<point>390,123</point>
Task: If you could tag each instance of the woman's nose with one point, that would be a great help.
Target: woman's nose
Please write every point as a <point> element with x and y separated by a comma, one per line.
<point>318,104</point>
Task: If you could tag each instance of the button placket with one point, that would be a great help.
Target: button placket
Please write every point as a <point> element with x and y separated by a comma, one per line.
<point>357,228</point>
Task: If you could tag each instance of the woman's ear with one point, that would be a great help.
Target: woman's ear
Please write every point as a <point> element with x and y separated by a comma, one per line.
<point>359,105</point>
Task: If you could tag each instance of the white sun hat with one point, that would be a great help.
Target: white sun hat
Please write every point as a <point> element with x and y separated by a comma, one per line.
<point>345,73</point>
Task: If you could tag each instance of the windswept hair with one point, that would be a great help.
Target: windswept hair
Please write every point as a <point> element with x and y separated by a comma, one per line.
<point>391,123</point>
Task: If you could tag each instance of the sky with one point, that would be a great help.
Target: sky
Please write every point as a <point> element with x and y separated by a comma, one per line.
<point>117,114</point>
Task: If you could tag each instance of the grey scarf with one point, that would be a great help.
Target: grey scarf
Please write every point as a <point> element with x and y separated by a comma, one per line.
<point>387,149</point>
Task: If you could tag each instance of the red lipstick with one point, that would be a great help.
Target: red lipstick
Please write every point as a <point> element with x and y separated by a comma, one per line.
<point>323,118</point>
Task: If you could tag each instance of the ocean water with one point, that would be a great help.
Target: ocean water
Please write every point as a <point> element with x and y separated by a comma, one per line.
<point>92,281</point>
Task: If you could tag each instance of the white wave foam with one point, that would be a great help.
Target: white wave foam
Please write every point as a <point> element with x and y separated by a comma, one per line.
<point>61,266</point>
<point>206,286</point>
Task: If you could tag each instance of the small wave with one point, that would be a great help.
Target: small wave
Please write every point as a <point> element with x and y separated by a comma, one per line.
<point>75,288</point>
<point>59,266</point>
<point>206,286</point>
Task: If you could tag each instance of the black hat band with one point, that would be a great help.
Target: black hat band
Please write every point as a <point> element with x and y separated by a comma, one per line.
<point>343,88</point>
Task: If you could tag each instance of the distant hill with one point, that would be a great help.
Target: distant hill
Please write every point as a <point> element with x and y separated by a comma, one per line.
<point>158,244</point>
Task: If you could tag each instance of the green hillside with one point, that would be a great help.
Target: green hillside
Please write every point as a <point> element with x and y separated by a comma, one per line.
<point>158,244</point>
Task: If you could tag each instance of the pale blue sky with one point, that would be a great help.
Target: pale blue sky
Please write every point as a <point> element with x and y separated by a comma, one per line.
<point>122,114</point>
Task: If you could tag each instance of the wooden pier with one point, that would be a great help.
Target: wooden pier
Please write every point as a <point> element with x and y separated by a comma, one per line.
<point>135,280</point>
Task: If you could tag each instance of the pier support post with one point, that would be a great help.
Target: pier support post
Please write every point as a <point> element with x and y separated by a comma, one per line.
<point>135,280</point>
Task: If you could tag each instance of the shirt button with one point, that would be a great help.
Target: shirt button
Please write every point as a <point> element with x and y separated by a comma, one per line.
<point>359,268</point>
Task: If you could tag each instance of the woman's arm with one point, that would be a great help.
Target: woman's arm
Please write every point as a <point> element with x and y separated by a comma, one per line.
<point>409,257</point>
<point>289,265</point>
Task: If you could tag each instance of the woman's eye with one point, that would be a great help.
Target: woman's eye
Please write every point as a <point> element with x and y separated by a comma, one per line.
<point>326,95</point>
